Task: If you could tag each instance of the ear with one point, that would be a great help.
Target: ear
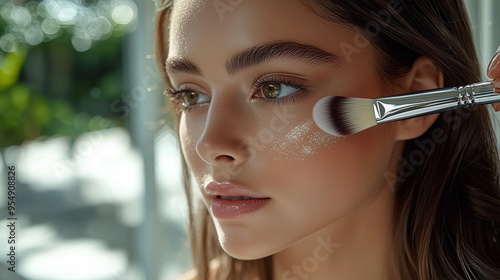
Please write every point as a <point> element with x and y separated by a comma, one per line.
<point>423,75</point>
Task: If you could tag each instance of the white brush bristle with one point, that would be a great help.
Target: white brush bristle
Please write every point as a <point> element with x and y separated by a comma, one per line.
<point>359,114</point>
<point>341,116</point>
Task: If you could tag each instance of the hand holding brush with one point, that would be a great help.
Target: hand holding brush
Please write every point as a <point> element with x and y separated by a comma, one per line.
<point>341,116</point>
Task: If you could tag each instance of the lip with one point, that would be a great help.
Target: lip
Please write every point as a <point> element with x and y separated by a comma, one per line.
<point>233,206</point>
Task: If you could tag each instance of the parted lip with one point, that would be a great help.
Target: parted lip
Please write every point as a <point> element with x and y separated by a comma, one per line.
<point>215,189</point>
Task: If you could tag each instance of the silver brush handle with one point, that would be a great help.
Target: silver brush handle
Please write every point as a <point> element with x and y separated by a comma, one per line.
<point>420,103</point>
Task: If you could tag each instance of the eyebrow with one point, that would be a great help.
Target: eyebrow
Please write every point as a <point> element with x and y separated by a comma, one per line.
<point>260,54</point>
<point>174,65</point>
<point>278,49</point>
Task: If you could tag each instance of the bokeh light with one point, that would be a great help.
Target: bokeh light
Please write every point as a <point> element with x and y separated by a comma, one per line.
<point>41,21</point>
<point>50,26</point>
<point>123,14</point>
<point>34,35</point>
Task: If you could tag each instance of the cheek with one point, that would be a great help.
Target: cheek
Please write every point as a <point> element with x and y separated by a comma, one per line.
<point>188,139</point>
<point>334,174</point>
<point>302,143</point>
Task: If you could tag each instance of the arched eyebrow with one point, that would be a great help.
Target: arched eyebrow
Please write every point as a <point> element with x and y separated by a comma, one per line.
<point>260,54</point>
<point>279,49</point>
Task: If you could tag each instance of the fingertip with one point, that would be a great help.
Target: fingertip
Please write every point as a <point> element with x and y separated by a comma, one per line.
<point>496,82</point>
<point>496,106</point>
<point>493,71</point>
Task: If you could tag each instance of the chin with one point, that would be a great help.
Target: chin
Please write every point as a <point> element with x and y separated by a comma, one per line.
<point>244,246</point>
<point>246,253</point>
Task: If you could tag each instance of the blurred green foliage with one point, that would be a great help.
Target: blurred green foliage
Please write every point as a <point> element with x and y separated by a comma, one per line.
<point>64,82</point>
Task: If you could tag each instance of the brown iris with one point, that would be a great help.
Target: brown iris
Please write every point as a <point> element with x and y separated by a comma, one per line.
<point>191,98</point>
<point>271,90</point>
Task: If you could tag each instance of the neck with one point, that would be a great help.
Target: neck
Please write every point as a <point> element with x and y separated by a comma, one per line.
<point>357,247</point>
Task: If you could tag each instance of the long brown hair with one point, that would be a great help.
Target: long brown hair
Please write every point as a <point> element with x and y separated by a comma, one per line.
<point>205,248</point>
<point>447,209</point>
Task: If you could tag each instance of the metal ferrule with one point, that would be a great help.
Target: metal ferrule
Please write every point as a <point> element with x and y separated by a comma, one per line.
<point>420,103</point>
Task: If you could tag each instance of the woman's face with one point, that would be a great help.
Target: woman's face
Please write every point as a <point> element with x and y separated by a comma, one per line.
<point>250,73</point>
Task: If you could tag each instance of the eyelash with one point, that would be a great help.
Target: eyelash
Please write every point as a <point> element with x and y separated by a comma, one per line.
<point>176,95</point>
<point>275,79</point>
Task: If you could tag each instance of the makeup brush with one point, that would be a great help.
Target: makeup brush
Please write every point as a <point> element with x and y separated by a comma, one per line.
<point>341,116</point>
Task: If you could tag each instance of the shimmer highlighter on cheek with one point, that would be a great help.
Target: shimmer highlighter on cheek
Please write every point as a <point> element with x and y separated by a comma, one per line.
<point>303,142</point>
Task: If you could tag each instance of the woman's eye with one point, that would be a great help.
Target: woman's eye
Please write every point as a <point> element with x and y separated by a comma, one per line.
<point>277,90</point>
<point>192,98</point>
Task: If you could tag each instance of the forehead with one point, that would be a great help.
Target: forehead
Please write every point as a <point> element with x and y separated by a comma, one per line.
<point>199,25</point>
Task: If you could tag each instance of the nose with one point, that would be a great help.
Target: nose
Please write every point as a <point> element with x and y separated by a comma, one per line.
<point>224,141</point>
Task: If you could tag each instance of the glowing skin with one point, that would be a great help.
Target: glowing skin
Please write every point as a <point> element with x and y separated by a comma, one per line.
<point>303,142</point>
<point>319,186</point>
